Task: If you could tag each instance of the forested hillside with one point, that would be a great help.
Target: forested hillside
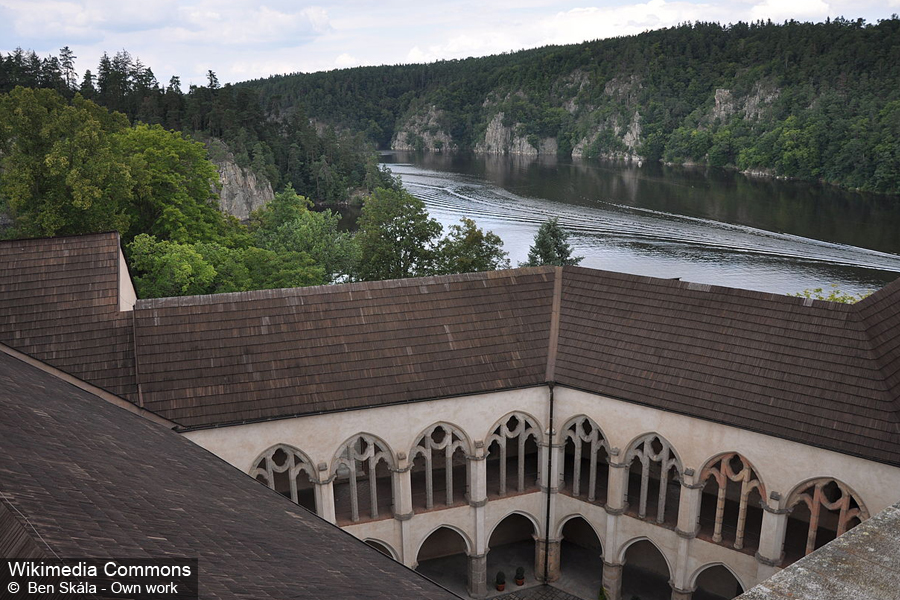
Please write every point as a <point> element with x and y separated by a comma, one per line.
<point>70,166</point>
<point>811,101</point>
<point>318,162</point>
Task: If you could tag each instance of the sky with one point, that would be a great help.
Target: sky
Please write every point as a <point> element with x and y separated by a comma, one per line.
<point>249,39</point>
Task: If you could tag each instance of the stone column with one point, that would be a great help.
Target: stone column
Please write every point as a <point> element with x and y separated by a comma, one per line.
<point>615,507</point>
<point>324,491</point>
<point>552,453</point>
<point>549,553</point>
<point>618,483</point>
<point>403,510</point>
<point>476,583</point>
<point>612,580</point>
<point>771,537</point>
<point>678,594</point>
<point>477,571</point>
<point>687,529</point>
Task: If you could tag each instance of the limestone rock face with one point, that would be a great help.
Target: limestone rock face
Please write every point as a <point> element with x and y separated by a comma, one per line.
<point>501,139</point>
<point>242,191</point>
<point>423,132</point>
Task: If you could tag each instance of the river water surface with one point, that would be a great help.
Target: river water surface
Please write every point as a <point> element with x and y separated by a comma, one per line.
<point>703,225</point>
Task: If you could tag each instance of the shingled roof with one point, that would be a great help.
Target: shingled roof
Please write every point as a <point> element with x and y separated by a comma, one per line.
<point>816,372</point>
<point>237,357</point>
<point>81,477</point>
<point>59,302</point>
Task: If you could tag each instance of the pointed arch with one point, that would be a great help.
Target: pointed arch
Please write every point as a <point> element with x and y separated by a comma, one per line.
<point>730,501</point>
<point>562,523</point>
<point>512,445</point>
<point>692,582</point>
<point>585,459</point>
<point>465,538</point>
<point>363,462</point>
<point>535,522</point>
<point>620,557</point>
<point>831,506</point>
<point>655,471</point>
<point>382,547</point>
<point>440,453</point>
<point>288,471</point>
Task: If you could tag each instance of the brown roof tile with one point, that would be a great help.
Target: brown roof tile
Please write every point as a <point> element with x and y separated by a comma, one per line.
<point>109,499</point>
<point>816,372</point>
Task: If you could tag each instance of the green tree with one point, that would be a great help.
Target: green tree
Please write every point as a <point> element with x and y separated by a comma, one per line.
<point>164,268</point>
<point>833,294</point>
<point>62,171</point>
<point>174,186</point>
<point>286,224</point>
<point>468,249</point>
<point>551,247</point>
<point>396,237</point>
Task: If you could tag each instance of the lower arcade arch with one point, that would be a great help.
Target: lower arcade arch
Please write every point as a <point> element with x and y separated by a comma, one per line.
<point>580,557</point>
<point>716,582</point>
<point>512,545</point>
<point>382,547</point>
<point>646,572</point>
<point>443,557</point>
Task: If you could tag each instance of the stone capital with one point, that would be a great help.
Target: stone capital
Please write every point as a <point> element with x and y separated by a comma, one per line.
<point>404,517</point>
<point>766,561</point>
<point>688,535</point>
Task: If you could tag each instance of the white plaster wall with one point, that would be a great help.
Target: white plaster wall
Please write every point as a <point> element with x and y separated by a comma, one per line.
<point>386,531</point>
<point>528,505</point>
<point>781,464</point>
<point>567,507</point>
<point>399,426</point>
<point>424,524</point>
<point>127,295</point>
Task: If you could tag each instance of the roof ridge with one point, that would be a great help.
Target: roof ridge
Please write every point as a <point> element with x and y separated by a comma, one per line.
<point>336,288</point>
<point>859,317</point>
<point>553,337</point>
<point>858,322</point>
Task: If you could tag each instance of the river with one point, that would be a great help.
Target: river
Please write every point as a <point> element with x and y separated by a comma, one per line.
<point>701,225</point>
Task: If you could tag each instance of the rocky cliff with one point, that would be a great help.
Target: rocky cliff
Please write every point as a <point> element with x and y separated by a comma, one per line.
<point>242,191</point>
<point>422,131</point>
<point>503,139</point>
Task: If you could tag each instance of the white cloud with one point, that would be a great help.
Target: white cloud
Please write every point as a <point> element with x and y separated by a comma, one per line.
<point>241,39</point>
<point>346,60</point>
<point>779,11</point>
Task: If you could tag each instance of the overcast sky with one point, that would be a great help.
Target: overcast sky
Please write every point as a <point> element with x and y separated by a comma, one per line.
<point>246,39</point>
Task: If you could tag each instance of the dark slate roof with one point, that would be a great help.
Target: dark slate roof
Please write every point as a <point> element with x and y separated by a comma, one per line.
<point>257,355</point>
<point>785,366</point>
<point>59,303</point>
<point>861,564</point>
<point>815,372</point>
<point>82,478</point>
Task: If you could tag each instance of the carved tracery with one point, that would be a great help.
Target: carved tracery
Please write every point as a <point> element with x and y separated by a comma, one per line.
<point>514,442</point>
<point>287,471</point>
<point>654,465</point>
<point>359,465</point>
<point>589,453</point>
<point>442,448</point>
<point>832,505</point>
<point>732,467</point>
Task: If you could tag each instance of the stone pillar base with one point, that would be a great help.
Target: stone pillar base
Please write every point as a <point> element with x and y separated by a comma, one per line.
<point>477,576</point>
<point>681,594</point>
<point>612,580</point>
<point>540,549</point>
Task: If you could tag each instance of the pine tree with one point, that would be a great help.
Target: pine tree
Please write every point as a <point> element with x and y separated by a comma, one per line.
<point>551,247</point>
